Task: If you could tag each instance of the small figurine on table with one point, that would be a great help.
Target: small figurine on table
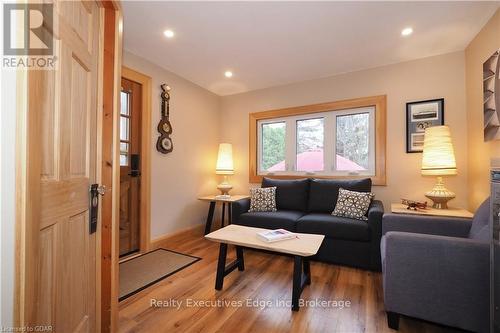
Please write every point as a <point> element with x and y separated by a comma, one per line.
<point>414,205</point>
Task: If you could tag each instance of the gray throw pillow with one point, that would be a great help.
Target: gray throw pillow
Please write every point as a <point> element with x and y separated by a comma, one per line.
<point>263,199</point>
<point>353,204</point>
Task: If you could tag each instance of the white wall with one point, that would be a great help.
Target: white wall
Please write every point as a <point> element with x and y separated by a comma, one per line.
<point>178,178</point>
<point>434,77</point>
<point>7,195</point>
<point>201,120</point>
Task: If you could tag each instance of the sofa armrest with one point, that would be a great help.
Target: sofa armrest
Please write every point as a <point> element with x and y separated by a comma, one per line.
<point>239,207</point>
<point>437,278</point>
<point>434,225</point>
<point>375,213</point>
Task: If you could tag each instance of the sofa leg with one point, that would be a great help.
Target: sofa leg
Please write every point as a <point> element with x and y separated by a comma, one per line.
<point>393,320</point>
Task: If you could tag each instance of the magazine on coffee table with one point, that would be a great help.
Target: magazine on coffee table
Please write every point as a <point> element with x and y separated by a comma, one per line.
<point>271,236</point>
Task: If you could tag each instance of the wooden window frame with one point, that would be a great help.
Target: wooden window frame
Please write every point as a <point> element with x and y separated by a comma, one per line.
<point>378,102</point>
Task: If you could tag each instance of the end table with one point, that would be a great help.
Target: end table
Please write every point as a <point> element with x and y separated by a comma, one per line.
<point>213,199</point>
<point>398,208</point>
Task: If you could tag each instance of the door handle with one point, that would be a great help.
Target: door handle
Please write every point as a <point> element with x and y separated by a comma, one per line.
<point>101,189</point>
<point>94,192</point>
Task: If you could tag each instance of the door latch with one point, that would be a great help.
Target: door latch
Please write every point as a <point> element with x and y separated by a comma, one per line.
<point>95,191</point>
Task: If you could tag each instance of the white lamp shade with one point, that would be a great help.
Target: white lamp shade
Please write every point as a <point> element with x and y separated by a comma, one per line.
<point>438,158</point>
<point>225,160</point>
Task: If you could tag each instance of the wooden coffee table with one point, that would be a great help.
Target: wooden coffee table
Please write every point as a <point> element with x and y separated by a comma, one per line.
<point>301,248</point>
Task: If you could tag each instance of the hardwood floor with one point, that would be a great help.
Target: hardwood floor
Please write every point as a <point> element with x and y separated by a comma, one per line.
<point>267,277</point>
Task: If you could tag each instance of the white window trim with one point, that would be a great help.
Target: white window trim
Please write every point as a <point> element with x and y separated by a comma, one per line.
<point>330,118</point>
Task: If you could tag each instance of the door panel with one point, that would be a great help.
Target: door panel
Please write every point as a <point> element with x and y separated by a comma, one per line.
<point>46,97</point>
<point>79,120</point>
<point>71,252</point>
<point>46,262</point>
<point>67,138</point>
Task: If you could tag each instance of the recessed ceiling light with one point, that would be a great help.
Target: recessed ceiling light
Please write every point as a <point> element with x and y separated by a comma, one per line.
<point>228,74</point>
<point>168,33</point>
<point>406,31</point>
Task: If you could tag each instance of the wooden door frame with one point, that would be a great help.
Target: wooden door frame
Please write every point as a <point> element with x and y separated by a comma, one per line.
<point>107,172</point>
<point>110,144</point>
<point>145,195</point>
<point>26,208</point>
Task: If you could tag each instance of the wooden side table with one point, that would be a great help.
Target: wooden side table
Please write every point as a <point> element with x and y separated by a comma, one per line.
<point>213,200</point>
<point>398,208</point>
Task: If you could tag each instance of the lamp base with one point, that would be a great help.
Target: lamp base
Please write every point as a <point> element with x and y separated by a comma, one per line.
<point>224,187</point>
<point>440,195</point>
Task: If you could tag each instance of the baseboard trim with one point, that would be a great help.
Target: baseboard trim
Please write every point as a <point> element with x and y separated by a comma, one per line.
<point>158,242</point>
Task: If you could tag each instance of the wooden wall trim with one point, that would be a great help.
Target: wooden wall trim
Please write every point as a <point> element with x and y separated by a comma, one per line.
<point>99,163</point>
<point>107,168</point>
<point>118,40</point>
<point>110,171</point>
<point>145,206</point>
<point>380,103</point>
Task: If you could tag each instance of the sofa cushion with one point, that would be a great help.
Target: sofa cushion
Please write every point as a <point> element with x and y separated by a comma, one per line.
<point>323,193</point>
<point>290,194</point>
<point>263,199</point>
<point>480,227</point>
<point>334,227</point>
<point>353,204</point>
<point>282,219</point>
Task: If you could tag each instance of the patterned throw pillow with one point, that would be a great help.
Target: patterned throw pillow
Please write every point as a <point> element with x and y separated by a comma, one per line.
<point>353,204</point>
<point>263,199</point>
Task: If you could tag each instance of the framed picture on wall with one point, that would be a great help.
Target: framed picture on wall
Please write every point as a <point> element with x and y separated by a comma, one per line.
<point>419,116</point>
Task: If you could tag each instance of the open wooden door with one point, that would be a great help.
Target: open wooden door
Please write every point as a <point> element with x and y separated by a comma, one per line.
<point>58,256</point>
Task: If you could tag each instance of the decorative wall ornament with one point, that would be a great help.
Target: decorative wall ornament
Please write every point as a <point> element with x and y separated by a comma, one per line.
<point>419,116</point>
<point>164,144</point>
<point>491,97</point>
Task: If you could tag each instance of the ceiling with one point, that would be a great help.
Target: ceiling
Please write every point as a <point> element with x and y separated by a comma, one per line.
<point>268,44</point>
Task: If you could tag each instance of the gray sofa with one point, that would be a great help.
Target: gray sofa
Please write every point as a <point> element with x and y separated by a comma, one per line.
<point>437,269</point>
<point>305,206</point>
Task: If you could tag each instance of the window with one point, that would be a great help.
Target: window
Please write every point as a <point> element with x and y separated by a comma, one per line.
<point>273,146</point>
<point>327,143</point>
<point>339,139</point>
<point>309,154</point>
<point>354,136</point>
<point>124,127</point>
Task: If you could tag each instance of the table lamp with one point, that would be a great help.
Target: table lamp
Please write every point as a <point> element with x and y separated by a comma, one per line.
<point>225,167</point>
<point>438,160</point>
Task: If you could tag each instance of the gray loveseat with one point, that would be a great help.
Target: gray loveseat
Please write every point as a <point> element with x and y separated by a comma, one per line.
<point>437,269</point>
<point>305,206</point>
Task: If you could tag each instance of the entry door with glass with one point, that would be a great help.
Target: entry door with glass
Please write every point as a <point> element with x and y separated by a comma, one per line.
<point>130,173</point>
